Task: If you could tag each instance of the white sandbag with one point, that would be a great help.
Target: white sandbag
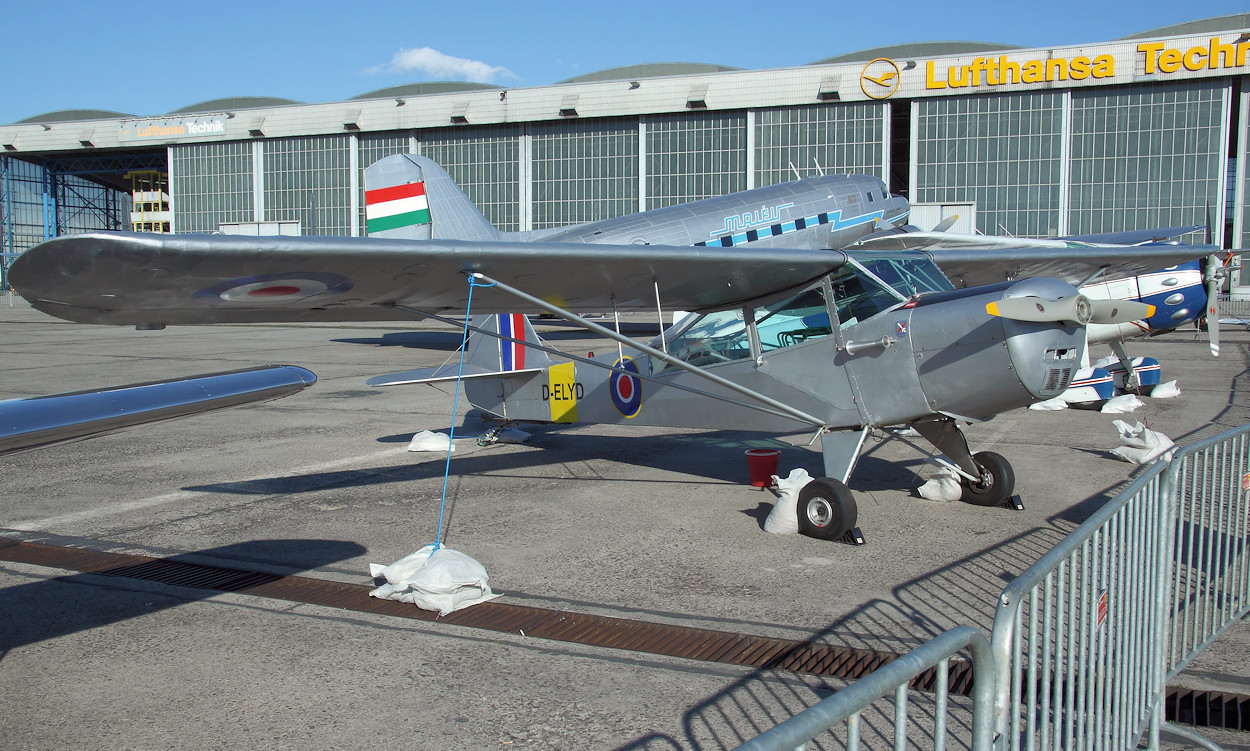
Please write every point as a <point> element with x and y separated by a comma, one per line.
<point>784,518</point>
<point>428,441</point>
<point>1122,405</point>
<point>401,570</point>
<point>1141,445</point>
<point>1050,405</point>
<point>943,486</point>
<point>512,435</point>
<point>1167,390</point>
<point>444,580</point>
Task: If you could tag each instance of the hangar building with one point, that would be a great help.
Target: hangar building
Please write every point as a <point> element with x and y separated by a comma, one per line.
<point>1145,131</point>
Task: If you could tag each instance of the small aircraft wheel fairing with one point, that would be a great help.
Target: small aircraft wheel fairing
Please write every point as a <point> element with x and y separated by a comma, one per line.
<point>998,481</point>
<point>826,509</point>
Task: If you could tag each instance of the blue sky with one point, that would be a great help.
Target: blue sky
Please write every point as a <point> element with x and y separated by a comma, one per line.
<point>94,55</point>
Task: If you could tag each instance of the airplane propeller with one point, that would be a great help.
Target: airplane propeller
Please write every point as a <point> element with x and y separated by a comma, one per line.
<point>1120,311</point>
<point>1215,271</point>
<point>1077,309</point>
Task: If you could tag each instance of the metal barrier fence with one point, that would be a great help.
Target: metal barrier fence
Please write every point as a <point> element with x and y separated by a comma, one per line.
<point>1230,308</point>
<point>847,704</point>
<point>1086,639</point>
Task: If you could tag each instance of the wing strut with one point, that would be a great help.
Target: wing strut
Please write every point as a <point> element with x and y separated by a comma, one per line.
<point>668,383</point>
<point>655,353</point>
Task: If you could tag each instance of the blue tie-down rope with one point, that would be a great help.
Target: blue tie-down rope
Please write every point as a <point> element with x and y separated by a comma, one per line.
<point>455,406</point>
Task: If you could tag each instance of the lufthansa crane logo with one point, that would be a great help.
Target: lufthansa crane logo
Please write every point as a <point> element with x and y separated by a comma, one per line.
<point>880,78</point>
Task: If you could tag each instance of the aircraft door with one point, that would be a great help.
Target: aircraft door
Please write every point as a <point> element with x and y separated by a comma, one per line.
<point>874,327</point>
<point>796,343</point>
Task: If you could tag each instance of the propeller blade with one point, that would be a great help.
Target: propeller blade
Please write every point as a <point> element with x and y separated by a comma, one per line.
<point>946,223</point>
<point>1120,311</point>
<point>1038,310</point>
<point>1214,280</point>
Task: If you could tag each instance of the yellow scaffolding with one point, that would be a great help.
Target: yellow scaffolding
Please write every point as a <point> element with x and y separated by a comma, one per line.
<point>149,211</point>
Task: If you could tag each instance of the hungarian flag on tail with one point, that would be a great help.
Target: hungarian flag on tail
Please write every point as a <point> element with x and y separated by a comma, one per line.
<point>396,206</point>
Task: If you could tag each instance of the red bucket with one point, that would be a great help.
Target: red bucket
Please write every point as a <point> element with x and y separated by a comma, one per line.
<point>762,464</point>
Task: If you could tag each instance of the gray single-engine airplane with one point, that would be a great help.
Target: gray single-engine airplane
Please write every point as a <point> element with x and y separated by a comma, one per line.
<point>839,343</point>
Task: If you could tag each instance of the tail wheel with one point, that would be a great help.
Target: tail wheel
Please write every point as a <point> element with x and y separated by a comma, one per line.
<point>998,481</point>
<point>827,509</point>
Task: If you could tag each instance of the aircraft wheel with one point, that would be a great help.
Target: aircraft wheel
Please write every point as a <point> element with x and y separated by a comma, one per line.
<point>998,481</point>
<point>827,509</point>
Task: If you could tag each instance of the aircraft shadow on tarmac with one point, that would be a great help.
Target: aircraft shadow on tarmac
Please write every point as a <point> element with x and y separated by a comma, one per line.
<point>713,456</point>
<point>49,608</point>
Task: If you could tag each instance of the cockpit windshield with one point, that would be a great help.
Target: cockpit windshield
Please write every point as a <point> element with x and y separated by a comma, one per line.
<point>908,276</point>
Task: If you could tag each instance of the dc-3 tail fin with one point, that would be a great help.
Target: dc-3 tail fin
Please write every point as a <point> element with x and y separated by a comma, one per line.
<point>410,197</point>
<point>488,357</point>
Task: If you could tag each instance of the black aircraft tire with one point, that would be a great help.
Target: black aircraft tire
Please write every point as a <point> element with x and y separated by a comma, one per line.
<point>826,509</point>
<point>1000,485</point>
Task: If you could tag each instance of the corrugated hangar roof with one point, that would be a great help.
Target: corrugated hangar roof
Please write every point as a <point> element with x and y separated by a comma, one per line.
<point>538,95</point>
<point>916,49</point>
<point>233,103</point>
<point>426,87</point>
<point>1203,26</point>
<point>65,116</point>
<point>648,70</point>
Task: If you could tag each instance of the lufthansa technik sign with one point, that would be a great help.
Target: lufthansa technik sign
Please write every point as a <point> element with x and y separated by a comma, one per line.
<point>185,127</point>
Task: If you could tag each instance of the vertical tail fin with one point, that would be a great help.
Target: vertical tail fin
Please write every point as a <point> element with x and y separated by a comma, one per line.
<point>411,197</point>
<point>493,354</point>
<point>501,355</point>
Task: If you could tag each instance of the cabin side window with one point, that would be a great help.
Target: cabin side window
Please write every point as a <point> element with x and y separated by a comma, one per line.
<point>793,321</point>
<point>713,338</point>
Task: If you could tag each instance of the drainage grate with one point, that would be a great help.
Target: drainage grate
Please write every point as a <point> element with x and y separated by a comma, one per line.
<point>1210,709</point>
<point>542,623</point>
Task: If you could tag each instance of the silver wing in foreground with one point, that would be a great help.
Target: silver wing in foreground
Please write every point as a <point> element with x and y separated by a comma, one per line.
<point>41,421</point>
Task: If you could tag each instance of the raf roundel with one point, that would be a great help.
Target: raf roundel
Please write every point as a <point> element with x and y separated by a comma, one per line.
<point>626,389</point>
<point>276,288</point>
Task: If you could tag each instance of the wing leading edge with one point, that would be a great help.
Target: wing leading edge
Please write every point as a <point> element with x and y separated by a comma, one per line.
<point>972,267</point>
<point>141,279</point>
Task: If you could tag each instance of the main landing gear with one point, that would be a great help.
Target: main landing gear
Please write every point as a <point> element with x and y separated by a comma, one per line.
<point>826,509</point>
<point>997,481</point>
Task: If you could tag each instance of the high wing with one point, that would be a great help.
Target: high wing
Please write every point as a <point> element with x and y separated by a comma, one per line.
<point>972,260</point>
<point>152,280</point>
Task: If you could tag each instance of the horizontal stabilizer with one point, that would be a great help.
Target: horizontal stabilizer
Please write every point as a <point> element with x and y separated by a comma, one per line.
<point>40,421</point>
<point>442,374</point>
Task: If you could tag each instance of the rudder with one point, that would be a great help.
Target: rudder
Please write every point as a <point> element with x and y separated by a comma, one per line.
<point>500,355</point>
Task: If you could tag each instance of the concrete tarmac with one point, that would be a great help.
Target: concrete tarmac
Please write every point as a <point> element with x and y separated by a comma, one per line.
<point>632,522</point>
